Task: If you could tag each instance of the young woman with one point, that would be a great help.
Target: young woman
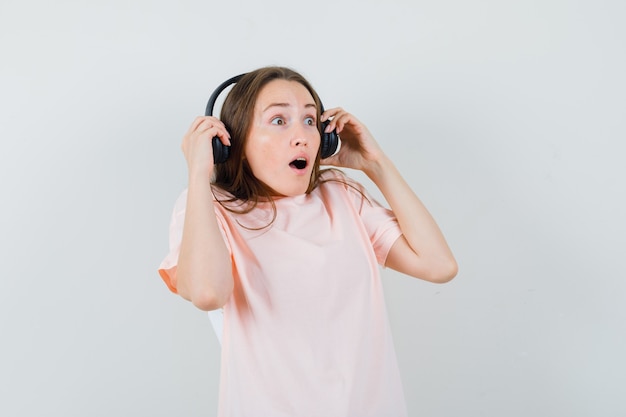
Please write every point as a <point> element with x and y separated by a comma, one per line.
<point>291,253</point>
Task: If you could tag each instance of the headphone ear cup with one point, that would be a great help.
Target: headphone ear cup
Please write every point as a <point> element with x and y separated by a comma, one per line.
<point>220,151</point>
<point>330,141</point>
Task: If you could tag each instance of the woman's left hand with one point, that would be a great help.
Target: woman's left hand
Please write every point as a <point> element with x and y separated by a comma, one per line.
<point>359,150</point>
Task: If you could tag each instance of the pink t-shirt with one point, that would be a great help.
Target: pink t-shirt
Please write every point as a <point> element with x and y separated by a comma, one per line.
<point>306,331</point>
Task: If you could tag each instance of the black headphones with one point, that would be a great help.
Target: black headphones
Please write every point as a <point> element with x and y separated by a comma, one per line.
<point>328,145</point>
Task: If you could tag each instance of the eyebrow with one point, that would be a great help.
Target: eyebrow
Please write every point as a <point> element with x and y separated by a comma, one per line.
<point>287,105</point>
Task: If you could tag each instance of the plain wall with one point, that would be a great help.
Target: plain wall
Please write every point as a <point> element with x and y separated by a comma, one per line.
<point>508,119</point>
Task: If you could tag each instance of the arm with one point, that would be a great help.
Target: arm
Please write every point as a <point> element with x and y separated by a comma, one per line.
<point>421,251</point>
<point>204,272</point>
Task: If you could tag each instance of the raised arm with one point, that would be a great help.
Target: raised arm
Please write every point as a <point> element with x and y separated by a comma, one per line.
<point>204,272</point>
<point>421,251</point>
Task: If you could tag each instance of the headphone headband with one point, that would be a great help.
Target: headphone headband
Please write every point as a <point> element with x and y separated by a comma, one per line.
<point>218,90</point>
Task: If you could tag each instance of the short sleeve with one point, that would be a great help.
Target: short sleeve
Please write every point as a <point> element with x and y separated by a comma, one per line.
<point>380,222</point>
<point>167,268</point>
<point>381,225</point>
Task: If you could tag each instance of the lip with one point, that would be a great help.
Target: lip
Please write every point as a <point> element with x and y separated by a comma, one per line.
<point>304,171</point>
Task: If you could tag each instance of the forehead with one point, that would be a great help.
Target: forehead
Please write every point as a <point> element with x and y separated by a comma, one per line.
<point>284,92</point>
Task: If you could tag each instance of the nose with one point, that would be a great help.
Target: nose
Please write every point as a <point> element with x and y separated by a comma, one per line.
<point>299,137</point>
<point>299,141</point>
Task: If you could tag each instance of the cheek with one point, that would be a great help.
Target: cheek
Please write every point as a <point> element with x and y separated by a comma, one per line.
<point>261,156</point>
<point>265,147</point>
<point>316,137</point>
<point>258,153</point>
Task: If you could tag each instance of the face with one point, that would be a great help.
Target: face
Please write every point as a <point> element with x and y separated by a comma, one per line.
<point>283,140</point>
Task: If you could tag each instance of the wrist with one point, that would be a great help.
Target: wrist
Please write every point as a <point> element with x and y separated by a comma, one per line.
<point>376,169</point>
<point>200,178</point>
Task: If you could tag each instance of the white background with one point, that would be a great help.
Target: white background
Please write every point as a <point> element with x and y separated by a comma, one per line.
<point>507,117</point>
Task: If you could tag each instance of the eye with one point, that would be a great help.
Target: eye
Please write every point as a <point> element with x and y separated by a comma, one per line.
<point>310,121</point>
<point>278,121</point>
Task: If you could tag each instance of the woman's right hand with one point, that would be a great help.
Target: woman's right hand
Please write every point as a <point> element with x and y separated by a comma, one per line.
<point>197,144</point>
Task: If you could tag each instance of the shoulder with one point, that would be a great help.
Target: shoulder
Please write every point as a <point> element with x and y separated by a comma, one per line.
<point>220,193</point>
<point>334,177</point>
<point>224,201</point>
<point>332,174</point>
<point>333,181</point>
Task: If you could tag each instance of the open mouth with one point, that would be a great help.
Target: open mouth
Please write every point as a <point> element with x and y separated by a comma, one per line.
<point>298,163</point>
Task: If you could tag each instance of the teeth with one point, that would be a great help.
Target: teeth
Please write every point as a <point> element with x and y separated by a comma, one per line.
<point>299,163</point>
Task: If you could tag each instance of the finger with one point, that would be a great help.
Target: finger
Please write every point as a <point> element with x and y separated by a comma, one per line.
<point>331,118</point>
<point>202,123</point>
<point>214,131</point>
<point>204,134</point>
<point>339,121</point>
<point>196,122</point>
<point>330,113</point>
<point>213,127</point>
<point>208,123</point>
<point>223,135</point>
